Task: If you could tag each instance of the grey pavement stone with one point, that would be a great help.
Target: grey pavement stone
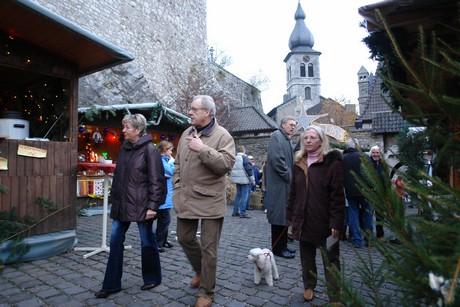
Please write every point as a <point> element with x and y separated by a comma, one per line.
<point>74,290</point>
<point>57,300</point>
<point>29,303</point>
<point>20,297</point>
<point>47,293</point>
<point>70,280</point>
<point>10,292</point>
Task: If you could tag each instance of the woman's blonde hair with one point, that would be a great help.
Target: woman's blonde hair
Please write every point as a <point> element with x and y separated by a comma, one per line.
<point>325,147</point>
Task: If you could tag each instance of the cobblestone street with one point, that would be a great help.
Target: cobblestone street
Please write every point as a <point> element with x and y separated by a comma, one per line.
<point>70,280</point>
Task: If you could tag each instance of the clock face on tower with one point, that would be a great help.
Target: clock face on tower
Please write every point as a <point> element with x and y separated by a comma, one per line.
<point>306,58</point>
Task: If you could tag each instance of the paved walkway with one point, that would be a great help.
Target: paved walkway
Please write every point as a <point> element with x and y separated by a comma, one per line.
<point>71,280</point>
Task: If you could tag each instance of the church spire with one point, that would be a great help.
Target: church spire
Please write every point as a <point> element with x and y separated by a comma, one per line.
<point>301,38</point>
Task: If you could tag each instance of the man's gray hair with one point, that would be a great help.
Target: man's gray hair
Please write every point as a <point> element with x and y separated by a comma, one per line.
<point>288,118</point>
<point>207,103</point>
<point>374,148</point>
<point>352,142</point>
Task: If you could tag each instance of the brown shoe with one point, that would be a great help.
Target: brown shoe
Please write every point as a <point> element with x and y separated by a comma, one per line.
<point>308,294</point>
<point>203,302</point>
<point>195,282</point>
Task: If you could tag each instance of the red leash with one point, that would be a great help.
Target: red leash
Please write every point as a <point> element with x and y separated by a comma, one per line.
<point>279,237</point>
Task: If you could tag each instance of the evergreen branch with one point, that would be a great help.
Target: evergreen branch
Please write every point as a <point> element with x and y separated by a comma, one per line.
<point>3,188</point>
<point>450,297</point>
<point>35,224</point>
<point>397,49</point>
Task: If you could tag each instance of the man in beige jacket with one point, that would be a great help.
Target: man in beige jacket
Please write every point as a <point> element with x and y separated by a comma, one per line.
<point>205,154</point>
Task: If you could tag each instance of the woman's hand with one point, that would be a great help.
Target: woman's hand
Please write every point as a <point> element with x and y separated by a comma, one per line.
<point>335,232</point>
<point>150,214</point>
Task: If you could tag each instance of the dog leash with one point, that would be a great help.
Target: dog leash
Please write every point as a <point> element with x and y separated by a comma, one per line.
<point>279,237</point>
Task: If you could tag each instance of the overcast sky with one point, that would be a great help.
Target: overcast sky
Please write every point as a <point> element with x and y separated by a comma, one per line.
<point>255,34</point>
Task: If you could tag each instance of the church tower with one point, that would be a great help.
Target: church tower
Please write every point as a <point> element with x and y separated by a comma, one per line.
<point>363,86</point>
<point>302,63</point>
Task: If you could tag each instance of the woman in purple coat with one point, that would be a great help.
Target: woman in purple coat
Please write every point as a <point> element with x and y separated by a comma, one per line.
<point>316,206</point>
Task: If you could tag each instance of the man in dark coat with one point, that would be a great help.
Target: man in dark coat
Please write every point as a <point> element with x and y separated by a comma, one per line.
<point>356,201</point>
<point>278,178</point>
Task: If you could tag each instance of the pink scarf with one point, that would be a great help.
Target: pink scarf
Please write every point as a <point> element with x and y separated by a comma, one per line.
<point>313,157</point>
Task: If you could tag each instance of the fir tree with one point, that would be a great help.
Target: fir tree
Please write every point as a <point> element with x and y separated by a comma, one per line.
<point>426,266</point>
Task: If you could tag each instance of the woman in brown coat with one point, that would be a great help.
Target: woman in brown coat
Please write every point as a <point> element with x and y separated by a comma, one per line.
<point>316,206</point>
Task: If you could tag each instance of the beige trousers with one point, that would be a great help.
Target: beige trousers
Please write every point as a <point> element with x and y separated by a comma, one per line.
<point>202,252</point>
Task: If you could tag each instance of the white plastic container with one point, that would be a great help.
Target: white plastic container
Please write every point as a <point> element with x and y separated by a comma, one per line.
<point>13,128</point>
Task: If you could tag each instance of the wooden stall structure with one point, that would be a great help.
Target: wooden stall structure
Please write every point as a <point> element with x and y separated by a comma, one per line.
<point>42,57</point>
<point>163,123</point>
<point>405,19</point>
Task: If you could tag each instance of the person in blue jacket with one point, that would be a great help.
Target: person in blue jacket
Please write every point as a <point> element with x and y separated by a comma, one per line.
<point>164,212</point>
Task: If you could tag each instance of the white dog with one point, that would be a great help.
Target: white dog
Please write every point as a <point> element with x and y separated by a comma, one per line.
<point>264,265</point>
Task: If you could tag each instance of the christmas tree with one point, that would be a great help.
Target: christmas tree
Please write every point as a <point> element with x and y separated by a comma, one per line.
<point>425,89</point>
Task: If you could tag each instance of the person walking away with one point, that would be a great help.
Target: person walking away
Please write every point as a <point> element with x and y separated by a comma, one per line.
<point>253,186</point>
<point>138,190</point>
<point>278,178</point>
<point>243,176</point>
<point>205,154</point>
<point>351,169</point>
<point>164,212</point>
<point>375,156</point>
<point>316,207</point>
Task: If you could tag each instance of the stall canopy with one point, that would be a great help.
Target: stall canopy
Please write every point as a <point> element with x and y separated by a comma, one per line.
<point>30,22</point>
<point>159,112</point>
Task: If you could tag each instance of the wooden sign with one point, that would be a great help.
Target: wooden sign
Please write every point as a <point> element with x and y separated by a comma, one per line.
<point>334,131</point>
<point>33,152</point>
<point>3,164</point>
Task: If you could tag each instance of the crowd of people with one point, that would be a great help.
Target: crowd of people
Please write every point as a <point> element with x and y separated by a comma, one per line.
<point>311,191</point>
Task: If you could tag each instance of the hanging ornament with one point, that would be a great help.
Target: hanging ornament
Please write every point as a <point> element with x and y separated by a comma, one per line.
<point>97,137</point>
<point>172,137</point>
<point>81,129</point>
<point>162,137</point>
<point>106,130</point>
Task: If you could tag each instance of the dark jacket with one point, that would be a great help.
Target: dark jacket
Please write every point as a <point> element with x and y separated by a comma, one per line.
<point>278,176</point>
<point>139,182</point>
<point>351,168</point>
<point>316,200</point>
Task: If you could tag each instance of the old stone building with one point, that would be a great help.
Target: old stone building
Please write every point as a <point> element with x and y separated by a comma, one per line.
<point>377,123</point>
<point>169,42</point>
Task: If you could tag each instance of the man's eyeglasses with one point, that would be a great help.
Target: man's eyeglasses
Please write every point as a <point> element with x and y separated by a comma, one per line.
<point>193,109</point>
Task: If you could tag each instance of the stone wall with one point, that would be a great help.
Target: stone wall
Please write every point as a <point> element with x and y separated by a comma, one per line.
<point>256,146</point>
<point>237,92</point>
<point>162,35</point>
<point>169,42</point>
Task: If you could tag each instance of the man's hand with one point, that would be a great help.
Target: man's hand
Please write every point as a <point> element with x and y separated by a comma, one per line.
<point>194,143</point>
<point>150,214</point>
<point>253,183</point>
